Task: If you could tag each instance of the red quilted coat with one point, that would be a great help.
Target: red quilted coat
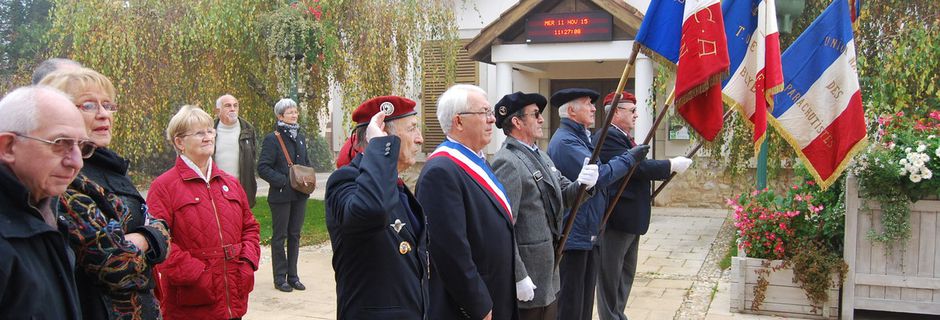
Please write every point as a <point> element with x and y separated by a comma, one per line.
<point>214,252</point>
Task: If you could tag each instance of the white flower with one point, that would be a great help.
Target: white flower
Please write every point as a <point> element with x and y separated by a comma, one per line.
<point>903,162</point>
<point>903,172</point>
<point>915,177</point>
<point>918,163</point>
<point>937,152</point>
<point>908,149</point>
<point>921,147</point>
<point>926,173</point>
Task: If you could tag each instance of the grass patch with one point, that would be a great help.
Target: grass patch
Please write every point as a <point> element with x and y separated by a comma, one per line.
<point>725,262</point>
<point>314,230</point>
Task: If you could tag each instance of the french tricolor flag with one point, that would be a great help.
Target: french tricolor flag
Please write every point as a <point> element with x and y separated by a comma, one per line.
<point>754,51</point>
<point>819,112</point>
<point>690,35</point>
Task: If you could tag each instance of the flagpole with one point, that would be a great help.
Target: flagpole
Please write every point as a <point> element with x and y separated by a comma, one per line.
<point>690,154</point>
<point>569,223</point>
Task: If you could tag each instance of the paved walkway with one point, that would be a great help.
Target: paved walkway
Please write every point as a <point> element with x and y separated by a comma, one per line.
<point>672,257</point>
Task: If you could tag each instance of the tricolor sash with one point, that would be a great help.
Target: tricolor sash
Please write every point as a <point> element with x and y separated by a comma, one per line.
<point>476,168</point>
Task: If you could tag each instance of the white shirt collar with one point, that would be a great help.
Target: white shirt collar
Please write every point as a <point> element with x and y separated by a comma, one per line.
<point>192,165</point>
<point>479,154</point>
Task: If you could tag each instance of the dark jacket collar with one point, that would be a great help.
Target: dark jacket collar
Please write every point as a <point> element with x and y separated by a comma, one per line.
<point>578,129</point>
<point>18,218</point>
<point>107,159</point>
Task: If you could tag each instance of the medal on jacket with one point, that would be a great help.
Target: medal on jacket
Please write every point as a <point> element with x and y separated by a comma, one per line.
<point>404,247</point>
<point>397,225</point>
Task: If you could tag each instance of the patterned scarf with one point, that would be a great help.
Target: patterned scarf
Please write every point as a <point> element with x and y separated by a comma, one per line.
<point>290,128</point>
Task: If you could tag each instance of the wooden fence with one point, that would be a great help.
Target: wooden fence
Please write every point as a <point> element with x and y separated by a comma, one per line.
<point>904,277</point>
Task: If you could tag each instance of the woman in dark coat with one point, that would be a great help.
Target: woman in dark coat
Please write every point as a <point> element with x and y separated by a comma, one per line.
<point>287,205</point>
<point>116,241</point>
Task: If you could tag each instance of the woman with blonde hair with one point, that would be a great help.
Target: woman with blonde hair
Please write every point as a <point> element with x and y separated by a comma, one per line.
<point>117,243</point>
<point>215,251</point>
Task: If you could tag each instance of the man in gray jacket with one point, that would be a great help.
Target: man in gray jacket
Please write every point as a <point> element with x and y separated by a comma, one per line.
<point>538,194</point>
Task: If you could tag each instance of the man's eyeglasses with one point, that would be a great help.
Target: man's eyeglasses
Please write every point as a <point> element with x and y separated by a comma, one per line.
<point>201,134</point>
<point>485,112</point>
<point>93,106</point>
<point>63,146</point>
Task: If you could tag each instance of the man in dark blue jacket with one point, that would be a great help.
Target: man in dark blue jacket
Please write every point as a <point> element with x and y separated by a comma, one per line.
<point>376,226</point>
<point>570,148</point>
<point>470,222</point>
<point>631,216</point>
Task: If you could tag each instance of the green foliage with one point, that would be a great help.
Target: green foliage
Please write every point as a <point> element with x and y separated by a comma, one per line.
<point>161,54</point>
<point>320,155</point>
<point>22,26</point>
<point>898,169</point>
<point>813,267</point>
<point>314,229</point>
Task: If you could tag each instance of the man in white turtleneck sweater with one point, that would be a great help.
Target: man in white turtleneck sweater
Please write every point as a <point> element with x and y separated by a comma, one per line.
<point>235,145</point>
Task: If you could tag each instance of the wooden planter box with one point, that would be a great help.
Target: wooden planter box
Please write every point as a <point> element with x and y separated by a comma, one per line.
<point>906,279</point>
<point>783,296</point>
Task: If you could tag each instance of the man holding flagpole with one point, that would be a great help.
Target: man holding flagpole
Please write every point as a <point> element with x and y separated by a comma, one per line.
<point>570,149</point>
<point>620,240</point>
<point>470,222</point>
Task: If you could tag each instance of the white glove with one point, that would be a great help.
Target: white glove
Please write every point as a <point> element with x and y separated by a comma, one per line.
<point>375,126</point>
<point>588,175</point>
<point>525,289</point>
<point>679,164</point>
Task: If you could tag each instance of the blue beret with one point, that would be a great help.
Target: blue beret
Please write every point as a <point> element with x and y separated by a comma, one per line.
<point>511,103</point>
<point>564,95</point>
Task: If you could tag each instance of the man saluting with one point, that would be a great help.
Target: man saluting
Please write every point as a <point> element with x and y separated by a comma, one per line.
<point>376,226</point>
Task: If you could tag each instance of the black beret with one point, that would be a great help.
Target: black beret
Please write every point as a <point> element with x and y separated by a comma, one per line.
<point>564,95</point>
<point>511,103</point>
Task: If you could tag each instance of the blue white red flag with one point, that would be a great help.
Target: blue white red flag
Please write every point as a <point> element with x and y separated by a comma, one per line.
<point>477,169</point>
<point>819,112</point>
<point>856,9</point>
<point>754,51</point>
<point>690,35</point>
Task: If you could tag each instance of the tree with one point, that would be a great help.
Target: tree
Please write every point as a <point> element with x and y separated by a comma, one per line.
<point>22,25</point>
<point>161,54</point>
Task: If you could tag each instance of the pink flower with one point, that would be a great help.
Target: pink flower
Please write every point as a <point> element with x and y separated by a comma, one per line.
<point>798,198</point>
<point>899,114</point>
<point>935,115</point>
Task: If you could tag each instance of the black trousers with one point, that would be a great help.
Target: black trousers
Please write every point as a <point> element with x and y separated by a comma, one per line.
<point>578,271</point>
<point>287,220</point>
<point>549,312</point>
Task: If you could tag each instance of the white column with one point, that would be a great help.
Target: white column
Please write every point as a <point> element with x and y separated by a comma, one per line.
<point>503,87</point>
<point>643,82</point>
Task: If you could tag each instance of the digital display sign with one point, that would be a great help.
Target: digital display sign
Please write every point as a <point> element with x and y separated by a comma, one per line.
<point>569,27</point>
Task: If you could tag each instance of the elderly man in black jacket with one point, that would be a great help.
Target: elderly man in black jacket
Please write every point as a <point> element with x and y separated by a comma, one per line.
<point>42,143</point>
<point>376,226</point>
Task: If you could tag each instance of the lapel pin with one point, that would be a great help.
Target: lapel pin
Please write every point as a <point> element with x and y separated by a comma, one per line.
<point>404,247</point>
<point>397,225</point>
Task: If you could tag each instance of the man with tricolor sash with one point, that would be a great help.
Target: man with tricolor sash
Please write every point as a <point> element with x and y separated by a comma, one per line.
<point>469,216</point>
<point>570,148</point>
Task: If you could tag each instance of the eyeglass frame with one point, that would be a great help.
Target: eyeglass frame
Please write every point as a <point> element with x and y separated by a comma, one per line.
<point>55,143</point>
<point>209,131</point>
<point>486,112</point>
<point>111,107</point>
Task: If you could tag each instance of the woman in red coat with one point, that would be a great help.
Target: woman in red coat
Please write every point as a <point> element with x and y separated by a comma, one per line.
<point>215,250</point>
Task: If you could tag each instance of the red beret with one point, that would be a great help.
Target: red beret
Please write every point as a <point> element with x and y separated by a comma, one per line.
<point>395,107</point>
<point>626,97</point>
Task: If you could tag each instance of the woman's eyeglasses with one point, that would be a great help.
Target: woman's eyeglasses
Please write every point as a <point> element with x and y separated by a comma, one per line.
<point>63,146</point>
<point>93,106</point>
<point>201,134</point>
